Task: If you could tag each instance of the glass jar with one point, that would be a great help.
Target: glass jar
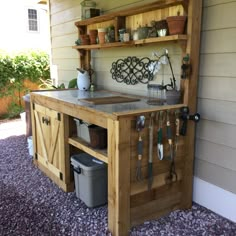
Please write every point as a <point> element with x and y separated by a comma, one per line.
<point>156,94</point>
<point>86,5</point>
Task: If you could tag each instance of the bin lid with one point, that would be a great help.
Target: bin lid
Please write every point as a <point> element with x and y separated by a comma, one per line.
<point>87,162</point>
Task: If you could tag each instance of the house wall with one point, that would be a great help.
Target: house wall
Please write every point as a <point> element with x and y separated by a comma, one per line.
<point>215,161</point>
<point>215,143</point>
<point>14,26</point>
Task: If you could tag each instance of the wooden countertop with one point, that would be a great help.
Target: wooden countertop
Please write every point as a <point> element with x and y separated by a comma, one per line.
<point>75,98</point>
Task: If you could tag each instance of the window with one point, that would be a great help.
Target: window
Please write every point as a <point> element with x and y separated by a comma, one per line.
<point>32,20</point>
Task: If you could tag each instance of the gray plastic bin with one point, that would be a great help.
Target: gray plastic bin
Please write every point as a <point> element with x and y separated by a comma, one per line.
<point>90,176</point>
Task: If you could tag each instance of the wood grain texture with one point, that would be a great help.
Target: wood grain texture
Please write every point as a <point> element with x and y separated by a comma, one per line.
<point>109,100</point>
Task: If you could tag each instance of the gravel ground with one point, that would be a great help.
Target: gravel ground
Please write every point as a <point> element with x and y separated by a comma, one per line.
<point>31,204</point>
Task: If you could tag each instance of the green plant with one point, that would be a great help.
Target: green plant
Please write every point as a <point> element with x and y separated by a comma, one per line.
<point>48,84</point>
<point>15,69</point>
<point>14,110</point>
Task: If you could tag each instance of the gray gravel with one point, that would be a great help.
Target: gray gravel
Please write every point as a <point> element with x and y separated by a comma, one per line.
<point>31,204</point>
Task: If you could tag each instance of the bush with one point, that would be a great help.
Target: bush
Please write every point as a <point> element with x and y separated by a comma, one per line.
<point>14,70</point>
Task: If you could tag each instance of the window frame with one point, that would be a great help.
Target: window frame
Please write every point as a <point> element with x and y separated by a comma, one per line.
<point>28,19</point>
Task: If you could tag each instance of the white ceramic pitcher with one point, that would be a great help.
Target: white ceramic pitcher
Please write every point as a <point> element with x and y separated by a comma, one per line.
<point>83,80</point>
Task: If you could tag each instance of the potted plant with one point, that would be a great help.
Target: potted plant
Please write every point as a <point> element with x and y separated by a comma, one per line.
<point>176,24</point>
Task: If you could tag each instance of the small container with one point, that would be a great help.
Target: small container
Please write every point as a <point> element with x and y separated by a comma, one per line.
<point>90,175</point>
<point>98,137</point>
<point>135,35</point>
<point>156,94</point>
<point>121,34</point>
<point>126,37</point>
<point>102,35</point>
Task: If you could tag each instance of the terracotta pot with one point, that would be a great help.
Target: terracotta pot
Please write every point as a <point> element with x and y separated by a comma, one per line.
<point>101,36</point>
<point>84,39</point>
<point>93,36</point>
<point>176,24</point>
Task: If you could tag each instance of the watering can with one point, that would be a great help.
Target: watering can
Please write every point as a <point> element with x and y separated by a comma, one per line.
<point>83,79</point>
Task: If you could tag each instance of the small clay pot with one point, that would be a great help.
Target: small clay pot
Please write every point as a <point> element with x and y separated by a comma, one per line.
<point>93,36</point>
<point>84,39</point>
<point>176,24</point>
<point>101,35</point>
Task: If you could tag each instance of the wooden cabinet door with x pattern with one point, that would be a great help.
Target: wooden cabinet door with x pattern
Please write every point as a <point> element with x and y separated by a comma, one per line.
<point>49,140</point>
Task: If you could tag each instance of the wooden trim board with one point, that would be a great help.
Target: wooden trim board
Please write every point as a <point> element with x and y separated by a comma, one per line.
<point>109,100</point>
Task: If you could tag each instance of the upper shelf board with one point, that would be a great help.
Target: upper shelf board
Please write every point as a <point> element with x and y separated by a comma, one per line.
<point>132,11</point>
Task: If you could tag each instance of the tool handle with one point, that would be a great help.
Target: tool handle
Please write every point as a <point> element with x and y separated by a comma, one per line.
<point>150,143</point>
<point>140,148</point>
<point>159,136</point>
<point>168,132</point>
<point>150,175</point>
<point>177,122</point>
<point>183,129</point>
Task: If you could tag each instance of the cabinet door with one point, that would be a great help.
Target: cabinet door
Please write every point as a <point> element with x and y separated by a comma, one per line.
<point>49,147</point>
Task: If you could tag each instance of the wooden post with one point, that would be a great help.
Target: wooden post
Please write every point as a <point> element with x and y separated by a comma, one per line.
<point>119,176</point>
<point>190,94</point>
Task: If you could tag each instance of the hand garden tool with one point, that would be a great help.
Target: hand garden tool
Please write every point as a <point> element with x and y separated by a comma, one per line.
<point>177,123</point>
<point>150,174</point>
<point>185,117</point>
<point>172,172</point>
<point>140,123</point>
<point>160,117</point>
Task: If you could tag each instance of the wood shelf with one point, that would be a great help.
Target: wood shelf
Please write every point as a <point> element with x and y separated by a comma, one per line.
<point>169,38</point>
<point>100,154</point>
<point>132,11</point>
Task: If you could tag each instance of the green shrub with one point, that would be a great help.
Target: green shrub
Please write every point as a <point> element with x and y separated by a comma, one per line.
<point>14,69</point>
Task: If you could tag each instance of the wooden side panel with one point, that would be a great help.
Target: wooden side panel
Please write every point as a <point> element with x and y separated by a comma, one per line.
<point>190,95</point>
<point>164,195</point>
<point>118,176</point>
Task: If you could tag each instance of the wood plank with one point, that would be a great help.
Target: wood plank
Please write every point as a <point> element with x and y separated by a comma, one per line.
<point>154,194</point>
<point>54,140</point>
<point>131,11</point>
<point>169,38</point>
<point>40,135</point>
<point>80,112</point>
<point>82,145</point>
<point>109,100</point>
<point>66,187</point>
<point>118,173</point>
<point>190,95</point>
<point>158,181</point>
<point>152,209</point>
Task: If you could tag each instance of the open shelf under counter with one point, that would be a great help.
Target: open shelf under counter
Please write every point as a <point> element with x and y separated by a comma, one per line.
<point>169,38</point>
<point>100,154</point>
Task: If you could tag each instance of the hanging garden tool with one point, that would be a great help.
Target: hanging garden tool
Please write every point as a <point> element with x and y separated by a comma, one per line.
<point>150,174</point>
<point>177,125</point>
<point>140,123</point>
<point>185,117</point>
<point>160,117</point>
<point>172,174</point>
